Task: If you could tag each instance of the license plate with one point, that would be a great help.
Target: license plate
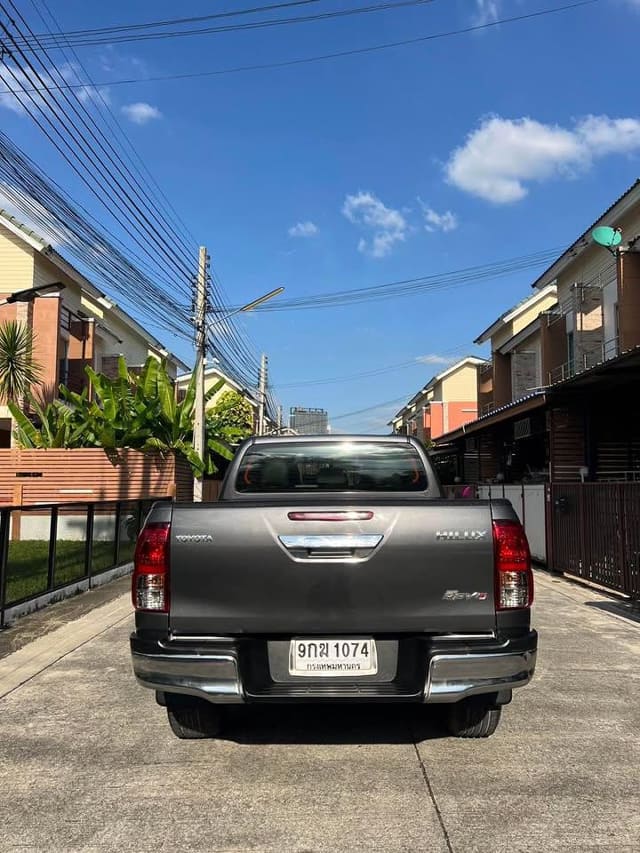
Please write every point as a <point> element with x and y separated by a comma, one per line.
<point>335,656</point>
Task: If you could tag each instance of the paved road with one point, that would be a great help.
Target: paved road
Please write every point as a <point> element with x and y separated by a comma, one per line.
<point>88,763</point>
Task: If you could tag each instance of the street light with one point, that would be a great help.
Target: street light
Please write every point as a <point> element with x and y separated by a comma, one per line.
<point>199,368</point>
<point>250,305</point>
<point>32,293</point>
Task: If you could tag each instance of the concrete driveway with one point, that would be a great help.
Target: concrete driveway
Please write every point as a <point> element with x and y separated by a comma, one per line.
<point>88,762</point>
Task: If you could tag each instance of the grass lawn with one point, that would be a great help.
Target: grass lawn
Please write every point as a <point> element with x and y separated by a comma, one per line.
<point>27,564</point>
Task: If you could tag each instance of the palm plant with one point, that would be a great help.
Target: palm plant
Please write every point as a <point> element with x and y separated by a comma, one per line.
<point>18,371</point>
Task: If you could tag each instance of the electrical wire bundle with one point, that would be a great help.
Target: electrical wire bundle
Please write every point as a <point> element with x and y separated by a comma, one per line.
<point>191,26</point>
<point>94,145</point>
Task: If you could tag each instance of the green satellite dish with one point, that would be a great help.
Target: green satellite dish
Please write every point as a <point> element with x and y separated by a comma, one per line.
<point>607,237</point>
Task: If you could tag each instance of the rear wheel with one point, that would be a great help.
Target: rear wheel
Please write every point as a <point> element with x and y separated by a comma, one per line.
<point>192,718</point>
<point>475,717</point>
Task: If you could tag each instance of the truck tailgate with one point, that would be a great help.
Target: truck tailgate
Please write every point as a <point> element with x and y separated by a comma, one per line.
<point>419,566</point>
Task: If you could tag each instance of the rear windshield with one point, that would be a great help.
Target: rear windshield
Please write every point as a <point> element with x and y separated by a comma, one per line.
<point>331,467</point>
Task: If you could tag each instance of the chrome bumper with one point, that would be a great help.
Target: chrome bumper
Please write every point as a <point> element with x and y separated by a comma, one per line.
<point>213,677</point>
<point>456,676</point>
<point>213,674</point>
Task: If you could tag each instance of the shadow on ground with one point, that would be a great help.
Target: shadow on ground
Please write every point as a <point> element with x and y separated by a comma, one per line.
<point>332,724</point>
<point>628,609</point>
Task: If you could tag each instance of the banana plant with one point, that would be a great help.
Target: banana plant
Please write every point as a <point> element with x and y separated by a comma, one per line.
<point>137,410</point>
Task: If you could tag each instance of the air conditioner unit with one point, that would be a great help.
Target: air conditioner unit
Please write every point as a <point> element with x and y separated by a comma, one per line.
<point>522,428</point>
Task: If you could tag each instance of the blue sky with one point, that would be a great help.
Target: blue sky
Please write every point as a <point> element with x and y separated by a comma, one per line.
<point>373,168</point>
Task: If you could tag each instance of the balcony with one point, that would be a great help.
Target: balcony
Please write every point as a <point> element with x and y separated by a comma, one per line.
<point>585,361</point>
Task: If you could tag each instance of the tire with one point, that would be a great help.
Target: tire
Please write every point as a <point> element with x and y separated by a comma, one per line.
<point>191,718</point>
<point>475,717</point>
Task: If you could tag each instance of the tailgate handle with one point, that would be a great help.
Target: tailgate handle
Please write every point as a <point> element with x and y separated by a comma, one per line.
<point>327,543</point>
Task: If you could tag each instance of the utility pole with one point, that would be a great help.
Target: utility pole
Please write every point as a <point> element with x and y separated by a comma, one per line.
<point>262,392</point>
<point>200,322</point>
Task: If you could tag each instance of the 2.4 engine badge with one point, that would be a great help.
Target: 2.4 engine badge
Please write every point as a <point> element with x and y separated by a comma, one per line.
<point>456,595</point>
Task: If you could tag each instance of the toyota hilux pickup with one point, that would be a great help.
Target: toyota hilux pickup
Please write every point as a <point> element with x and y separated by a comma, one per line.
<point>332,569</point>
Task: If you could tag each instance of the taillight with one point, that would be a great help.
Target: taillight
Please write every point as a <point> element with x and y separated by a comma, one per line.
<point>514,578</point>
<point>150,582</point>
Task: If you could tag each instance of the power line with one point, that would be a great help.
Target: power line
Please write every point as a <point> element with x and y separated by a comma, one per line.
<point>158,195</point>
<point>106,178</point>
<point>191,20</point>
<point>121,182</point>
<point>110,36</point>
<point>373,408</point>
<point>337,54</point>
<point>422,284</point>
<point>379,371</point>
<point>41,203</point>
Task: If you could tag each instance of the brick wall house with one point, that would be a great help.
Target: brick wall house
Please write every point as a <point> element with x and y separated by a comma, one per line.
<point>77,327</point>
<point>446,402</point>
<point>565,369</point>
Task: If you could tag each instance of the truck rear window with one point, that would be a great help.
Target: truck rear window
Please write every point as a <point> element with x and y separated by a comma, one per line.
<point>331,467</point>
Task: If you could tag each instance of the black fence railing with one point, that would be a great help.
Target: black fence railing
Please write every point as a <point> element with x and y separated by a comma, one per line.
<point>47,547</point>
<point>595,533</point>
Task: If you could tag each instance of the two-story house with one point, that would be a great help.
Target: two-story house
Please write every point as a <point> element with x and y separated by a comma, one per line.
<point>516,369</point>
<point>78,326</point>
<point>598,313</point>
<point>565,365</point>
<point>447,401</point>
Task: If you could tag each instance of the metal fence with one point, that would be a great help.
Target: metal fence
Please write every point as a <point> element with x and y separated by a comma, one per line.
<point>45,548</point>
<point>529,503</point>
<point>595,533</point>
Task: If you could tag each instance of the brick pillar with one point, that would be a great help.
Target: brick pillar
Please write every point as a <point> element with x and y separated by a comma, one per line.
<point>501,380</point>
<point>553,335</point>
<point>81,349</point>
<point>485,388</point>
<point>629,300</point>
<point>46,329</point>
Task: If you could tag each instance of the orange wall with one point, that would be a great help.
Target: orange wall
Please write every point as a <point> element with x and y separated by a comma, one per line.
<point>7,312</point>
<point>437,420</point>
<point>462,413</point>
<point>445,417</point>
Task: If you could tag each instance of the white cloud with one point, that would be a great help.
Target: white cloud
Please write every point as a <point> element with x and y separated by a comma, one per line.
<point>434,221</point>
<point>303,229</point>
<point>28,87</point>
<point>141,113</point>
<point>387,226</point>
<point>99,95</point>
<point>502,156</point>
<point>487,11</point>
<point>435,359</point>
<point>12,79</point>
<point>604,135</point>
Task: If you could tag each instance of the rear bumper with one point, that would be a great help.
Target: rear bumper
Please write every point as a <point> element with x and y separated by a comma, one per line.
<point>444,672</point>
<point>212,675</point>
<point>455,676</point>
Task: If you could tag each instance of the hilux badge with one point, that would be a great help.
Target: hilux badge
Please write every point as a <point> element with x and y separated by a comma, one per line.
<point>461,535</point>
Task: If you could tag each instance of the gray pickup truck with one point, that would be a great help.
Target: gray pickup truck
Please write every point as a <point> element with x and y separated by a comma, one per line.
<point>333,570</point>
